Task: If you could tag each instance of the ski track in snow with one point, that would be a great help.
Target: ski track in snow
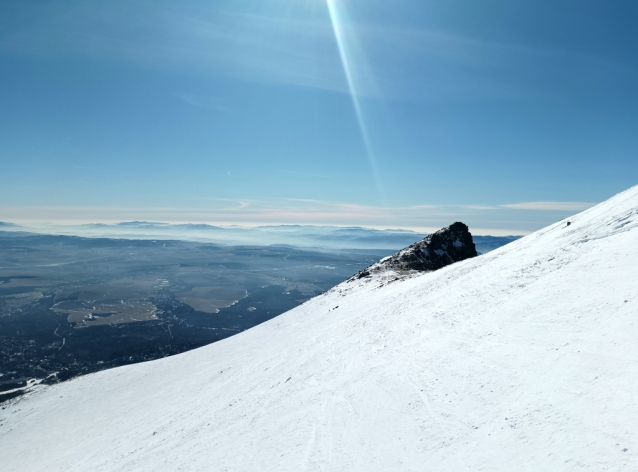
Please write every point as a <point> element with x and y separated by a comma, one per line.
<point>520,359</point>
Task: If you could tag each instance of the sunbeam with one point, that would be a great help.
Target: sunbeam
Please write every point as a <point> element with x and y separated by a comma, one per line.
<point>338,27</point>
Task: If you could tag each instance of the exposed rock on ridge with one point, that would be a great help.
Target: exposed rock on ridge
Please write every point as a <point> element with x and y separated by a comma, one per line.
<point>445,247</point>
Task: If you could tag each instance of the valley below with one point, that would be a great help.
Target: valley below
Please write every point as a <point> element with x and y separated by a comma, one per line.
<point>71,306</point>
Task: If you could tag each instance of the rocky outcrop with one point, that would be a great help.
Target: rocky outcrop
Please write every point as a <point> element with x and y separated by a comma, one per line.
<point>445,247</point>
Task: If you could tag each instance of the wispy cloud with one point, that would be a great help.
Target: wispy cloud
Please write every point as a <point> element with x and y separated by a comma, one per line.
<point>286,43</point>
<point>499,220</point>
<point>247,212</point>
<point>206,102</point>
<point>305,174</point>
<point>199,40</point>
<point>551,206</point>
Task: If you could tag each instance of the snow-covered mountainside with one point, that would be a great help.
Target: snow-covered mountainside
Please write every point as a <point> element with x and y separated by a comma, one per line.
<point>521,359</point>
<point>440,249</point>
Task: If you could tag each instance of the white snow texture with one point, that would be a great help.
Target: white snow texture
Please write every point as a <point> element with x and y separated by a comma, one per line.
<point>525,358</point>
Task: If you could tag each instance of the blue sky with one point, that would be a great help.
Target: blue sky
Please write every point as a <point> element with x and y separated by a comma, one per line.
<point>405,114</point>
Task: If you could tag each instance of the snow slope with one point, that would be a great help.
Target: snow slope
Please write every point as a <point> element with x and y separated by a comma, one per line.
<point>525,358</point>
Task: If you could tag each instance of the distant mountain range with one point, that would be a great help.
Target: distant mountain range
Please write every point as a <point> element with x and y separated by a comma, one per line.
<point>319,237</point>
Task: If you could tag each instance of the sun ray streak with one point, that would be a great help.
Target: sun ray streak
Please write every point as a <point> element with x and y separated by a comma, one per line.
<point>337,26</point>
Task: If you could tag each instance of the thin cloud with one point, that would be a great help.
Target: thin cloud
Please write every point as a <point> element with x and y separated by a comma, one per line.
<point>294,48</point>
<point>480,207</point>
<point>254,212</point>
<point>319,176</point>
<point>550,206</point>
<point>206,102</point>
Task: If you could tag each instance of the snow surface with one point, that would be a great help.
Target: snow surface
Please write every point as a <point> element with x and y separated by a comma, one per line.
<point>525,358</point>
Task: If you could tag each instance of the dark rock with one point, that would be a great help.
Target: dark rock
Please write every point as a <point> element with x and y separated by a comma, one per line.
<point>445,247</point>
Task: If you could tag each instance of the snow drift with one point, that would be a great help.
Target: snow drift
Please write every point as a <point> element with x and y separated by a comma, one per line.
<point>521,359</point>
